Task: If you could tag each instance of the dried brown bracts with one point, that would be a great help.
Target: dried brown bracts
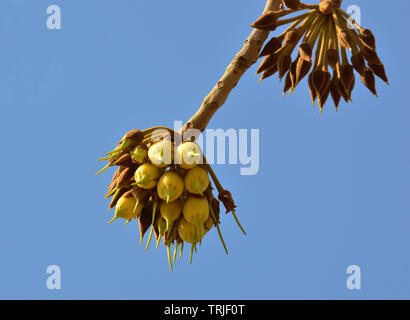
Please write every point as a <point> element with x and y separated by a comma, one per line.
<point>320,39</point>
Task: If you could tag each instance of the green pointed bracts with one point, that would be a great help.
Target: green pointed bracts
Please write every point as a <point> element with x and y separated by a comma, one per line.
<point>172,201</point>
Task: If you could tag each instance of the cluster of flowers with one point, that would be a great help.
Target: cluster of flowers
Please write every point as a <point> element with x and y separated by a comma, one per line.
<point>327,28</point>
<point>166,187</point>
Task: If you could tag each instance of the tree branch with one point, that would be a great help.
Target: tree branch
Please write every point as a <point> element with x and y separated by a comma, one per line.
<point>242,61</point>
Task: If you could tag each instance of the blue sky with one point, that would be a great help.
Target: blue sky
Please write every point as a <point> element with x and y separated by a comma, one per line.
<point>332,190</point>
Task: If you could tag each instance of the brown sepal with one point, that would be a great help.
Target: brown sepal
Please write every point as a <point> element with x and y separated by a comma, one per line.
<point>128,194</point>
<point>369,81</point>
<point>178,239</point>
<point>288,84</point>
<point>379,71</point>
<point>324,95</point>
<point>226,198</point>
<point>145,219</point>
<point>117,173</point>
<point>140,193</point>
<point>267,63</point>
<point>358,63</point>
<point>368,39</point>
<point>302,69</point>
<point>332,57</point>
<point>292,37</point>
<point>111,187</point>
<point>346,75</point>
<point>318,81</point>
<point>267,21</point>
<point>271,46</point>
<point>370,55</point>
<point>305,51</point>
<point>344,39</point>
<point>352,87</point>
<point>156,231</point>
<point>269,72</point>
<point>284,62</point>
<point>334,91</point>
<point>117,197</point>
<point>125,177</point>
<point>136,135</point>
<point>343,92</point>
<point>311,88</point>
<point>291,4</point>
<point>125,161</point>
<point>292,73</point>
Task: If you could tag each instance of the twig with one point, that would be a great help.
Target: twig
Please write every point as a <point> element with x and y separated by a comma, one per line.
<point>242,61</point>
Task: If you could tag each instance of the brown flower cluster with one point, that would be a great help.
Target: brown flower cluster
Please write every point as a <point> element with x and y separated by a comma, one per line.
<point>164,184</point>
<point>325,36</point>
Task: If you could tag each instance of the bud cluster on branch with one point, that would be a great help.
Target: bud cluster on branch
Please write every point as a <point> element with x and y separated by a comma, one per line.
<point>323,36</point>
<point>165,185</point>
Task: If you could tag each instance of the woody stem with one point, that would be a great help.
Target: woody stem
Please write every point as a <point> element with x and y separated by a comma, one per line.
<point>242,61</point>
